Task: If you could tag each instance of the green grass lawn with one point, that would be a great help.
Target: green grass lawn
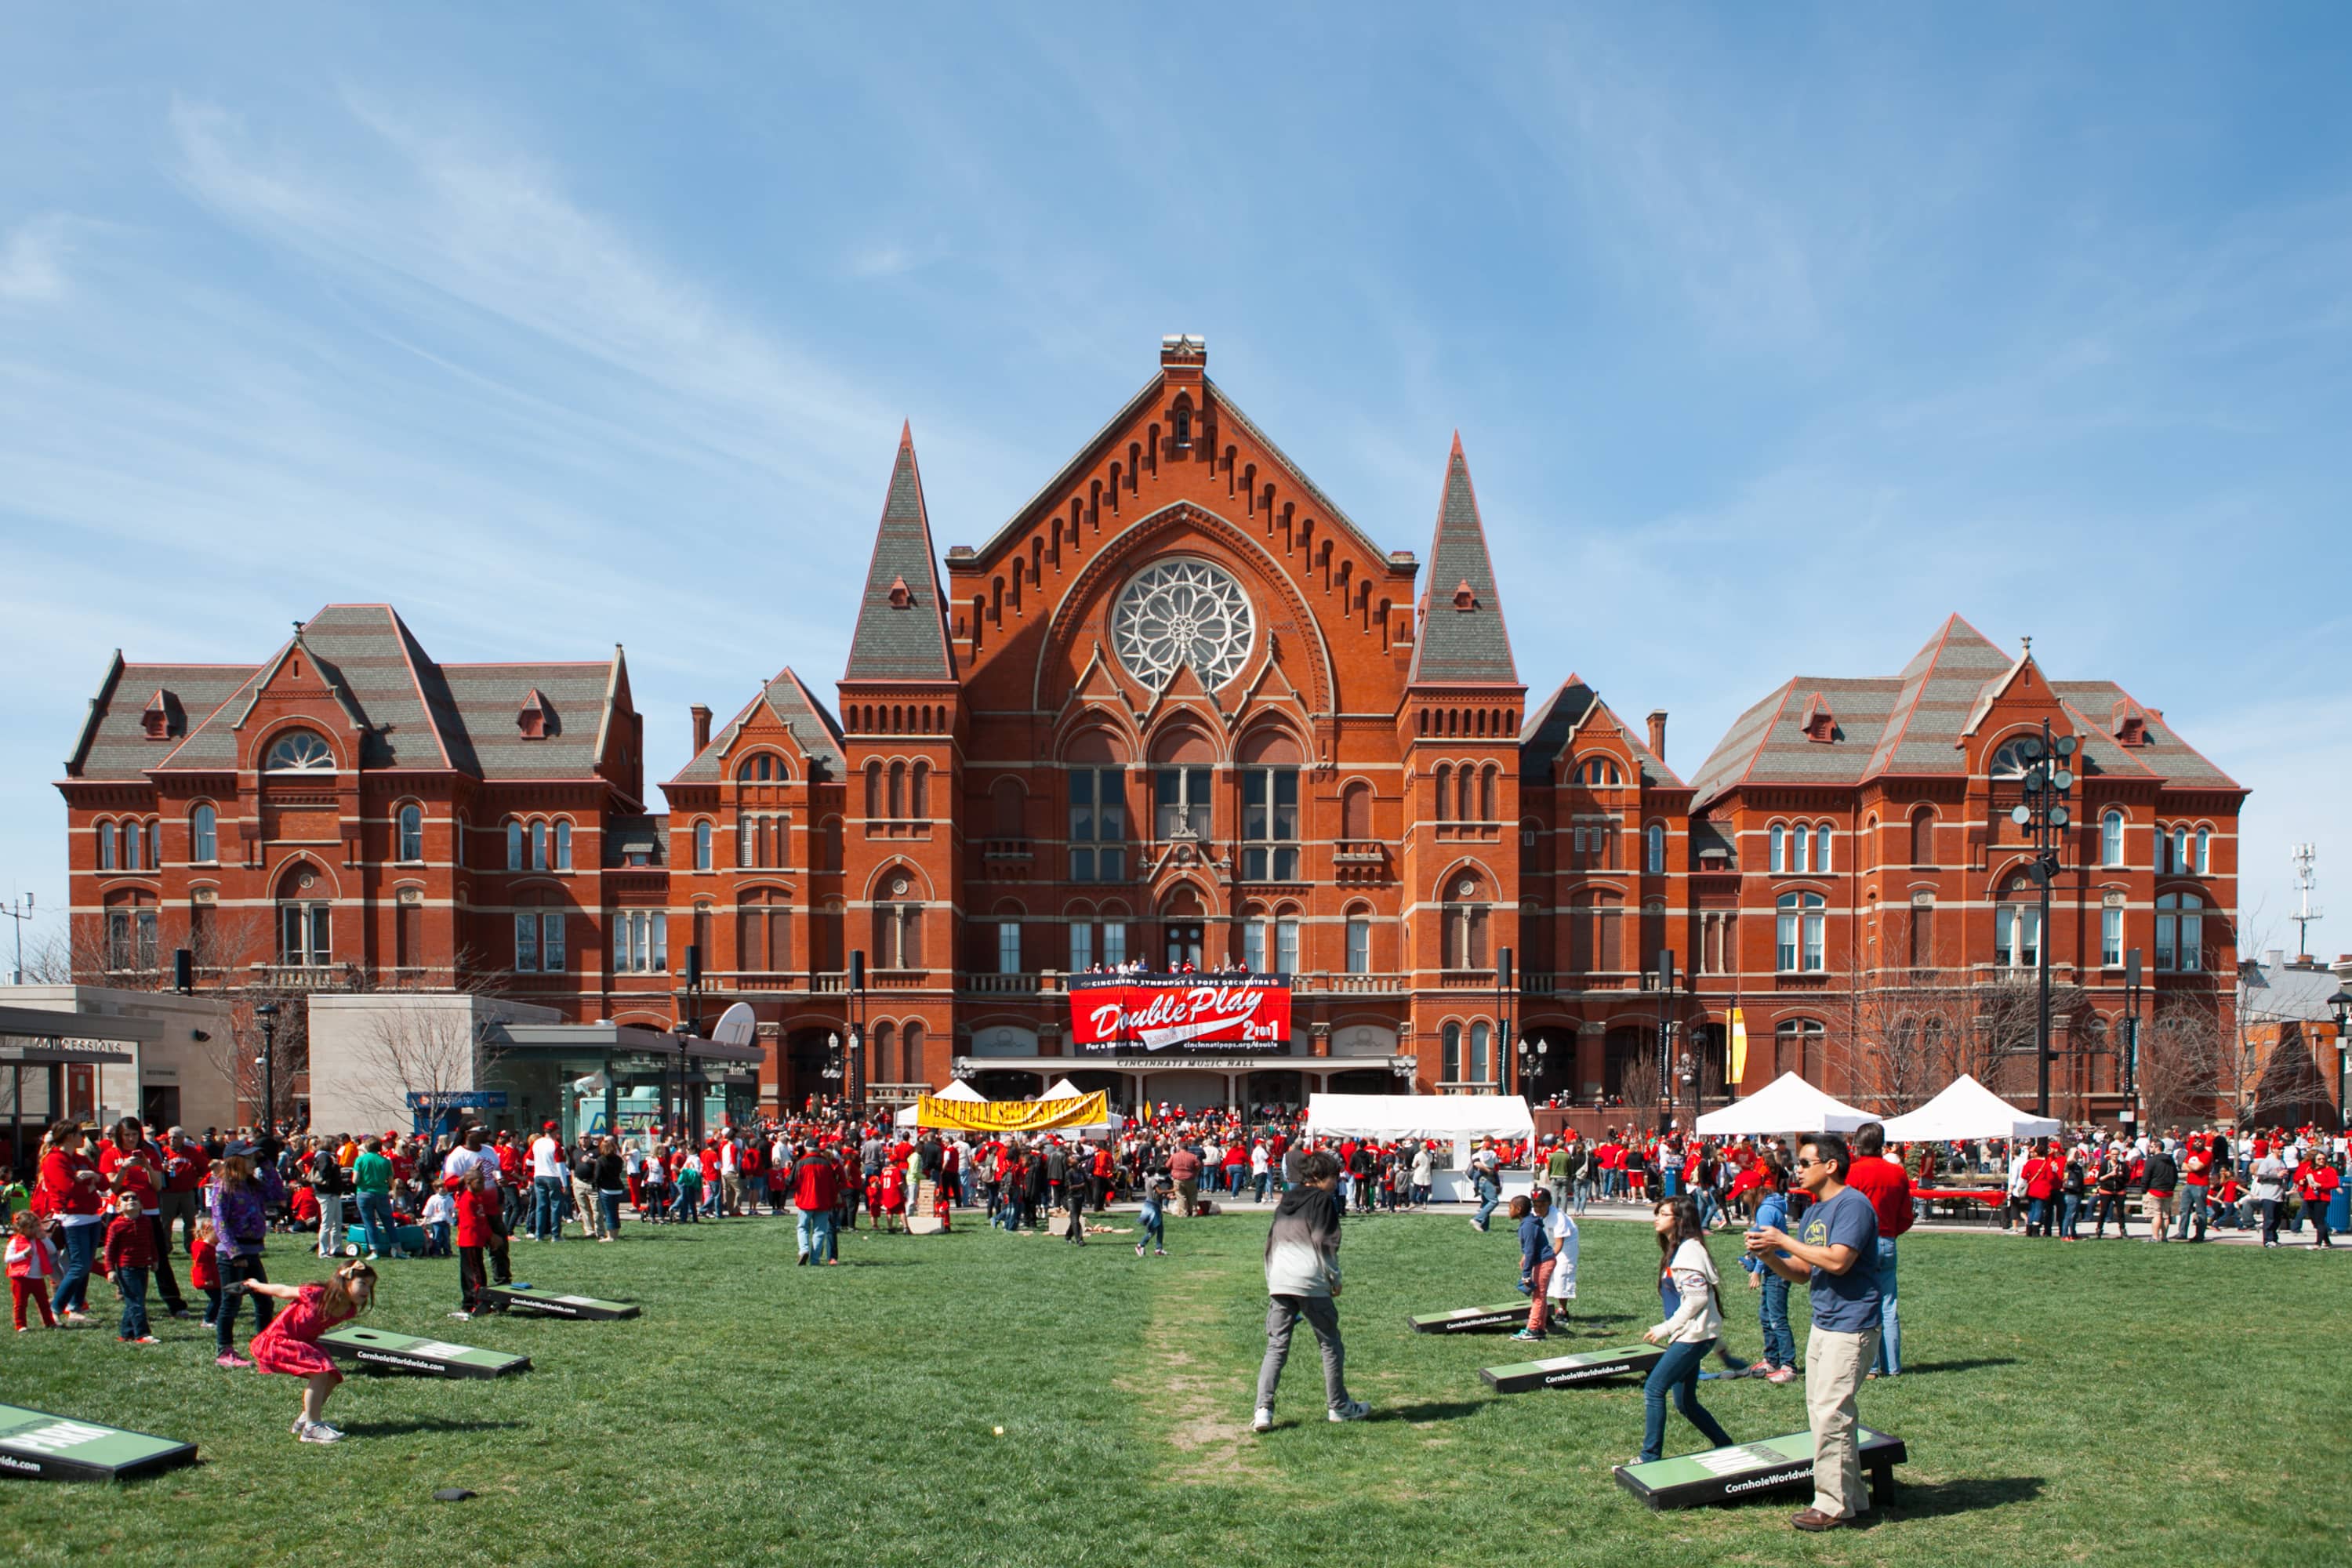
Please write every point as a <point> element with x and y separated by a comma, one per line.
<point>2091,1403</point>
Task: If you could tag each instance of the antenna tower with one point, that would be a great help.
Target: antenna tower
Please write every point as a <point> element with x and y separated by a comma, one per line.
<point>2304,856</point>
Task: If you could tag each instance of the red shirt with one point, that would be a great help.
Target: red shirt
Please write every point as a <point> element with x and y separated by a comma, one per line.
<point>130,1243</point>
<point>1888,1188</point>
<point>61,1190</point>
<point>477,1213</point>
<point>132,1171</point>
<point>814,1187</point>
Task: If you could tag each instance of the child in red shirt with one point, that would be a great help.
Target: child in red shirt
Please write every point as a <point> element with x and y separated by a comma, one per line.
<point>478,1221</point>
<point>289,1344</point>
<point>204,1271</point>
<point>32,1264</point>
<point>129,1255</point>
<point>893,1194</point>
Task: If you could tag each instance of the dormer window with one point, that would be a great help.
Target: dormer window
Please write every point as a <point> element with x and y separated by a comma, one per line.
<point>901,595</point>
<point>157,720</point>
<point>531,722</point>
<point>2128,724</point>
<point>1464,596</point>
<point>1819,723</point>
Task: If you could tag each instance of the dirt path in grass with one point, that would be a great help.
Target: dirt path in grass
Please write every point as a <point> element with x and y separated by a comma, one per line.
<point>1186,1377</point>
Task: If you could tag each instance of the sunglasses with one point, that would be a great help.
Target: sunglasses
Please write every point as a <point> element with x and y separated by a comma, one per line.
<point>1803,1164</point>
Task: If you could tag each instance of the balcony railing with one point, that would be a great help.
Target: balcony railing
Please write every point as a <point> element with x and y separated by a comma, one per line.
<point>992,984</point>
<point>1352,984</point>
<point>1007,849</point>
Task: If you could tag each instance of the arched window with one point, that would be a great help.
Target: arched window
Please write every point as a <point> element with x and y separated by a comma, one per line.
<point>2017,929</point>
<point>702,846</point>
<point>2182,865</point>
<point>910,1051</point>
<point>1360,944</point>
<point>514,845</point>
<point>1800,922</point>
<point>1923,838</point>
<point>2204,852</point>
<point>411,831</point>
<point>1597,773</point>
<point>1655,848</point>
<point>305,932</point>
<point>538,846</point>
<point>135,846</point>
<point>1800,850</point>
<point>763,932</point>
<point>2111,839</point>
<point>1356,812</point>
<point>1464,803</point>
<point>882,1048</point>
<point>155,844</point>
<point>300,752</point>
<point>1452,1036</point>
<point>1780,848</point>
<point>1465,923</point>
<point>203,836</point>
<point>1444,793</point>
<point>106,851</point>
<point>563,845</point>
<point>1487,792</point>
<point>919,797</point>
<point>2011,761</point>
<point>1797,1048</point>
<point>1482,1052</point>
<point>2180,932</point>
<point>874,790</point>
<point>1822,848</point>
<point>898,792</point>
<point>763,768</point>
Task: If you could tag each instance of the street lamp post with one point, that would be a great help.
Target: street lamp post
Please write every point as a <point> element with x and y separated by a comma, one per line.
<point>1503,1017</point>
<point>2043,814</point>
<point>1665,1036</point>
<point>267,1013</point>
<point>2131,1030</point>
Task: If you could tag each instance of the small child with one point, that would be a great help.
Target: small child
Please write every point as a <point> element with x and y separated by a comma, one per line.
<point>649,1195</point>
<point>894,1196</point>
<point>440,1212</point>
<point>478,1208</point>
<point>1559,1226</point>
<point>32,1264</point>
<point>129,1255</point>
<point>290,1344</point>
<point>1535,1263</point>
<point>1153,1219</point>
<point>873,1200</point>
<point>204,1271</point>
<point>943,1204</point>
<point>1780,1362</point>
<point>688,1179</point>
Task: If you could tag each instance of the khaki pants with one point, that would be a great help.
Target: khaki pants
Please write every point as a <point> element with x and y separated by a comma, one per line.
<point>1834,1363</point>
<point>1188,1194</point>
<point>733,1183</point>
<point>2160,1214</point>
<point>592,1213</point>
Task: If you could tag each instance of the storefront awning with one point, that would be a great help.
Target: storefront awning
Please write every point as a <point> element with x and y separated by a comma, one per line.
<point>661,1046</point>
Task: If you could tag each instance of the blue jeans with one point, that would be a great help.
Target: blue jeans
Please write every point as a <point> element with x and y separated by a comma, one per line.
<point>1153,1230</point>
<point>1678,1371</point>
<point>1772,1311</point>
<point>1583,1192</point>
<point>73,1281</point>
<point>815,1233</point>
<point>610,1202</point>
<point>235,1272</point>
<point>375,1221</point>
<point>547,1208</point>
<point>1489,1195</point>
<point>133,1283</point>
<point>436,1239</point>
<point>2071,1214</point>
<point>2192,1201</point>
<point>1889,1360</point>
<point>686,1205</point>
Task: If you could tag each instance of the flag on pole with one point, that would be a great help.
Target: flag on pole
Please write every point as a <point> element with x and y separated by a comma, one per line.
<point>1739,1050</point>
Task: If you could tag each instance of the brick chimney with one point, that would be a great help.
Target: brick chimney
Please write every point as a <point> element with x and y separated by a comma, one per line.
<point>701,727</point>
<point>1658,733</point>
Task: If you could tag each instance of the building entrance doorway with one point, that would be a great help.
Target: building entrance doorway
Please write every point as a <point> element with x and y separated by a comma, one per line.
<point>1183,944</point>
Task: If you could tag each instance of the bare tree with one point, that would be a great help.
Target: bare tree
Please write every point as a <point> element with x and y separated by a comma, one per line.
<point>1916,1029</point>
<point>1640,1087</point>
<point>2183,1055</point>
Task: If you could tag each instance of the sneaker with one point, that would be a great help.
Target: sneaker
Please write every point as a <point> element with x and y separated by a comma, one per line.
<point>1781,1374</point>
<point>462,1317</point>
<point>230,1359</point>
<point>1139,1249</point>
<point>146,1339</point>
<point>1527,1334</point>
<point>1263,1421</point>
<point>319,1432</point>
<point>1159,1252</point>
<point>1354,1410</point>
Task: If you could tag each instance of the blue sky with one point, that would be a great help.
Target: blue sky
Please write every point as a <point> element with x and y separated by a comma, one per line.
<point>1774,334</point>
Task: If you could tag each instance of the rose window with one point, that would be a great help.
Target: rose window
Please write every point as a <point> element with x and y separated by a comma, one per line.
<point>1183,612</point>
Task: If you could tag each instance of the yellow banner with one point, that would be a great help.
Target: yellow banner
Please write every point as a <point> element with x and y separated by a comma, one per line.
<point>1013,1115</point>
<point>1739,1050</point>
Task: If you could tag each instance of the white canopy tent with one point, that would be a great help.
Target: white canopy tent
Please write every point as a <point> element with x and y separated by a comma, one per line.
<point>1111,1122</point>
<point>1966,1108</point>
<point>1443,1117</point>
<point>956,1089</point>
<point>1787,1104</point>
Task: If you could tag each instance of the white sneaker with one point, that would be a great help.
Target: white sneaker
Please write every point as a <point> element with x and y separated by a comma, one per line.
<point>1263,1421</point>
<point>1354,1410</point>
<point>317,1432</point>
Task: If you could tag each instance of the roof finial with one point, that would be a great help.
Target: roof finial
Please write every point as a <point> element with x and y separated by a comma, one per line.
<point>2029,646</point>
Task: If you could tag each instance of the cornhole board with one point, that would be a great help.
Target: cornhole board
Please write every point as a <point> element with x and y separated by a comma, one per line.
<point>547,1304</point>
<point>378,1350</point>
<point>1473,1320</point>
<point>1568,1371</point>
<point>36,1445</point>
<point>1749,1469</point>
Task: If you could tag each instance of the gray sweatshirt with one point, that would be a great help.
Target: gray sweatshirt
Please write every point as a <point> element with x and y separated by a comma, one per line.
<point>1302,1249</point>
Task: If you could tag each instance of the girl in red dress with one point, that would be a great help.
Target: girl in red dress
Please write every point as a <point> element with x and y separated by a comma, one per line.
<point>894,1195</point>
<point>290,1344</point>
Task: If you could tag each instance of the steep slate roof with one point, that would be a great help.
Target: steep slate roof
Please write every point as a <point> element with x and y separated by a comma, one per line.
<point>2282,993</point>
<point>1911,724</point>
<point>649,835</point>
<point>1553,724</point>
<point>892,642</point>
<point>114,743</point>
<point>813,726</point>
<point>1457,645</point>
<point>412,713</point>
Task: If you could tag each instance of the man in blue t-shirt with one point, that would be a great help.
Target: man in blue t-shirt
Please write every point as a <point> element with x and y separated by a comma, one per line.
<point>1836,1253</point>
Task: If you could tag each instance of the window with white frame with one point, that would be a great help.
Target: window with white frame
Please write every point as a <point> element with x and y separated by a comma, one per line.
<point>2111,934</point>
<point>1822,848</point>
<point>1098,825</point>
<point>2017,935</point>
<point>1254,945</point>
<point>1482,1053</point>
<point>1082,946</point>
<point>1285,946</point>
<point>410,828</point>
<point>1780,861</point>
<point>1008,947</point>
<point>106,846</point>
<point>1270,824</point>
<point>514,845</point>
<point>203,836</point>
<point>1801,918</point>
<point>1114,943</point>
<point>300,752</point>
<point>538,846</point>
<point>2204,852</point>
<point>304,935</point>
<point>563,845</point>
<point>702,846</point>
<point>538,941</point>
<point>1655,849</point>
<point>2111,839</point>
<point>1359,945</point>
<point>2180,934</point>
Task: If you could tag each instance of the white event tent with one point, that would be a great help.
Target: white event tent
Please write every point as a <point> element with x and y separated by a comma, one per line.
<point>1787,1104</point>
<point>1111,1122</point>
<point>1966,1108</point>
<point>956,1089</point>
<point>1443,1119</point>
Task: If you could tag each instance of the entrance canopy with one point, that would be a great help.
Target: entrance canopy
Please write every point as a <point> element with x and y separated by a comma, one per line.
<point>1443,1117</point>
<point>1966,1108</point>
<point>1787,1104</point>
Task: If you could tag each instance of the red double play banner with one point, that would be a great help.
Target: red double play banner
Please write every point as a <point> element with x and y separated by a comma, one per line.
<point>1178,1011</point>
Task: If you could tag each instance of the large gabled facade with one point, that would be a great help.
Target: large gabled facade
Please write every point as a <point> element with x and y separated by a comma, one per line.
<point>1179,706</point>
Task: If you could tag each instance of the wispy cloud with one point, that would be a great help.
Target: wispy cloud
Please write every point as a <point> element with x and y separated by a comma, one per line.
<point>33,260</point>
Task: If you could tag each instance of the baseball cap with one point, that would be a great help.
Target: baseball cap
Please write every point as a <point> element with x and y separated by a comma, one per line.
<point>547,1127</point>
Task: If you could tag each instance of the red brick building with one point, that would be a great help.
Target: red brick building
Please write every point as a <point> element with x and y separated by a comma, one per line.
<point>1178,705</point>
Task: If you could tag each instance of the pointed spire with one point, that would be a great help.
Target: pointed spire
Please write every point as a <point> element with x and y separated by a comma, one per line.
<point>1465,640</point>
<point>902,632</point>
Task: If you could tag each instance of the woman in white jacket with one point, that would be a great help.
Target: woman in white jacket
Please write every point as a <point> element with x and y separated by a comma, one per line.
<point>1687,1289</point>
